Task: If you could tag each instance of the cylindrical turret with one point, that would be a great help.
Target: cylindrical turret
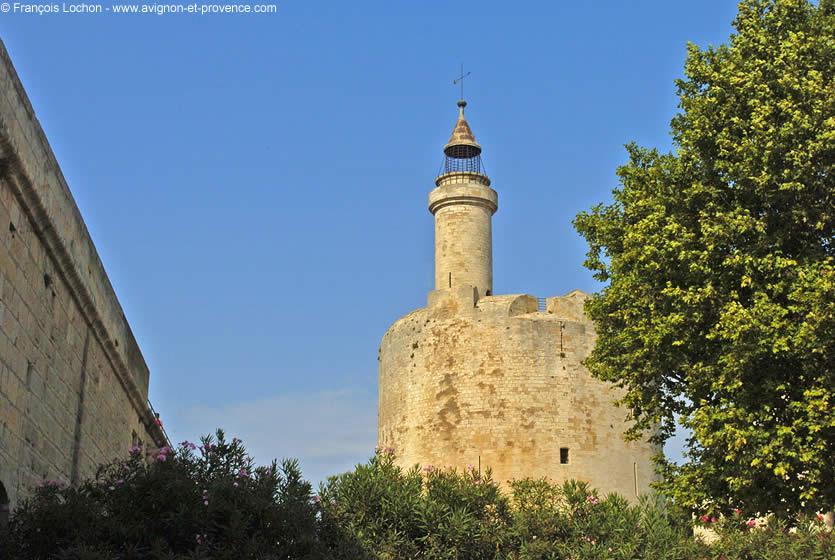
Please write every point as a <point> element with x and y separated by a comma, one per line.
<point>463,205</point>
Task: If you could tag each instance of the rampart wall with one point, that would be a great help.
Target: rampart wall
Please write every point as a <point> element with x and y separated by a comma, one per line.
<point>73,382</point>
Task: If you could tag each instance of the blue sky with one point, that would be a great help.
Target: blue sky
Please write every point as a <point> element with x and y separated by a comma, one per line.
<point>256,185</point>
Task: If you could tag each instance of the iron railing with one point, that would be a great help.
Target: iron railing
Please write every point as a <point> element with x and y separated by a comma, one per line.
<point>160,425</point>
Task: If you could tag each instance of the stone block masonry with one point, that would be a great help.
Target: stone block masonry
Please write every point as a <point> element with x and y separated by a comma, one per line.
<point>501,385</point>
<point>73,382</point>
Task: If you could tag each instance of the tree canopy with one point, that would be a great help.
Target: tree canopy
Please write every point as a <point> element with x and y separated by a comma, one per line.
<point>718,311</point>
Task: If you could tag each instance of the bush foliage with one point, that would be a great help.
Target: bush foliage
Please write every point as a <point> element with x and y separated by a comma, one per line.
<point>211,502</point>
<point>206,501</point>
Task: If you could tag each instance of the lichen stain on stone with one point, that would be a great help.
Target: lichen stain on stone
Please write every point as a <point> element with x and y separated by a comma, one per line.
<point>449,416</point>
<point>448,391</point>
<point>488,388</point>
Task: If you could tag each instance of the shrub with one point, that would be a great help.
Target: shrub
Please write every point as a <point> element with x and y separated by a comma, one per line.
<point>573,521</point>
<point>382,511</point>
<point>196,502</point>
<point>210,502</point>
<point>773,539</point>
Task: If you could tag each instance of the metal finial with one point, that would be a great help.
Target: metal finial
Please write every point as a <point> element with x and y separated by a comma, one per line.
<point>460,80</point>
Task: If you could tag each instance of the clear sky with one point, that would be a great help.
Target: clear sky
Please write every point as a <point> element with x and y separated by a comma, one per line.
<point>257,185</point>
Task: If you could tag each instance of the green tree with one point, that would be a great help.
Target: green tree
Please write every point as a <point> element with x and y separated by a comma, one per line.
<point>719,307</point>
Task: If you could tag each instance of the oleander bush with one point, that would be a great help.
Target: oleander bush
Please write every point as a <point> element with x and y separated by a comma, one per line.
<point>383,512</point>
<point>206,501</point>
<point>211,502</point>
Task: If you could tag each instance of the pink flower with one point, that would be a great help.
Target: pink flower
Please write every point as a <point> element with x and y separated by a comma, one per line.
<point>200,538</point>
<point>713,520</point>
<point>134,450</point>
<point>317,499</point>
<point>704,518</point>
<point>161,457</point>
<point>737,511</point>
<point>243,473</point>
<point>428,469</point>
<point>470,468</point>
<point>593,500</point>
<point>820,517</point>
<point>751,523</point>
<point>158,422</point>
<point>120,482</point>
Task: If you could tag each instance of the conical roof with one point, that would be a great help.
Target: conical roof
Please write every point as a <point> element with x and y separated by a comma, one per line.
<point>462,142</point>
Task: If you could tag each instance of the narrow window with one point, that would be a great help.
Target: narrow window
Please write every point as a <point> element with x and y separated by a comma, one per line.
<point>563,455</point>
<point>450,279</point>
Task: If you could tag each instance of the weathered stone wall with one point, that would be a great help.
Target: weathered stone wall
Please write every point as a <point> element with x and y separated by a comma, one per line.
<point>73,383</point>
<point>501,384</point>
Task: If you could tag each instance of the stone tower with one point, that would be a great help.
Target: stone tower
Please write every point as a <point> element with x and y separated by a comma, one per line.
<point>463,205</point>
<point>476,379</point>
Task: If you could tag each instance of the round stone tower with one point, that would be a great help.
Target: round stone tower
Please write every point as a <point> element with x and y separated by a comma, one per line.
<point>463,205</point>
<point>476,379</point>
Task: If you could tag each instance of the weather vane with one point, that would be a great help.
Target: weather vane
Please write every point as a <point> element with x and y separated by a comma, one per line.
<point>460,80</point>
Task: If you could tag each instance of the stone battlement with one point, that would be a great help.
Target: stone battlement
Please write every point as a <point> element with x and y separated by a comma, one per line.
<point>465,300</point>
